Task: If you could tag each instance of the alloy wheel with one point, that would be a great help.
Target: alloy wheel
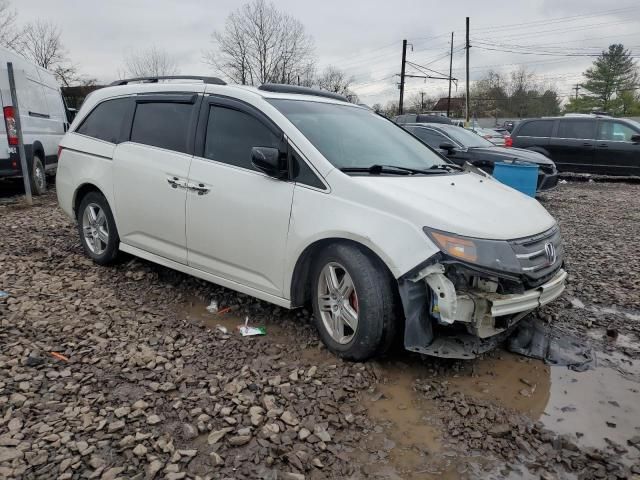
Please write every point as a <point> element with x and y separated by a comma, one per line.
<point>338,302</point>
<point>95,228</point>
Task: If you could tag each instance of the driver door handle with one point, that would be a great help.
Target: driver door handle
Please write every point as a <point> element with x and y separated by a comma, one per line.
<point>175,182</point>
<point>199,188</point>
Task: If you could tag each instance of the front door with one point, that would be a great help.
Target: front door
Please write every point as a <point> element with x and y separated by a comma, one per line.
<point>616,153</point>
<point>150,175</point>
<point>237,217</point>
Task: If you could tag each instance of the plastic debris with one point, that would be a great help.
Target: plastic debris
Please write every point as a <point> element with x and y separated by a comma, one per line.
<point>247,331</point>
<point>213,307</point>
<point>224,310</point>
<point>4,294</point>
<point>222,328</point>
<point>59,356</point>
<point>563,182</point>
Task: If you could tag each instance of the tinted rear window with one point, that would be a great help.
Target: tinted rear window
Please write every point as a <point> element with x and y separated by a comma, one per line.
<point>577,129</point>
<point>536,128</point>
<point>163,125</point>
<point>105,121</point>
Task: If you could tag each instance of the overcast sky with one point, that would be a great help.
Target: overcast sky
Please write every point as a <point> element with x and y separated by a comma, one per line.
<point>363,37</point>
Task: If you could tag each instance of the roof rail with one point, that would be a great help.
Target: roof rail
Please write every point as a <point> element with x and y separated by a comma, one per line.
<point>211,80</point>
<point>284,88</point>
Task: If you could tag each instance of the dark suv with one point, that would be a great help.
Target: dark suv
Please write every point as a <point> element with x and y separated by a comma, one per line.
<point>584,143</point>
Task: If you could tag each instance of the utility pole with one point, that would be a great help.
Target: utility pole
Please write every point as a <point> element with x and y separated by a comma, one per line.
<point>577,89</point>
<point>404,59</point>
<point>450,71</point>
<point>467,102</point>
<point>421,101</point>
<point>21,153</point>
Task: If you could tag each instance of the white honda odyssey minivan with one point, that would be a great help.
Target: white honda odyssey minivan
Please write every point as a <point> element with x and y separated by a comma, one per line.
<point>295,196</point>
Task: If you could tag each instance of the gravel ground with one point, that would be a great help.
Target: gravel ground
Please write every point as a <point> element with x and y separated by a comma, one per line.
<point>119,372</point>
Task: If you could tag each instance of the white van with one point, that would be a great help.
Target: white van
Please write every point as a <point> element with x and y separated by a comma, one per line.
<point>296,196</point>
<point>43,118</point>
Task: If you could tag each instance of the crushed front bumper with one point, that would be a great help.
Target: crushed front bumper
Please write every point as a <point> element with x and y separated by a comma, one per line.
<point>479,317</point>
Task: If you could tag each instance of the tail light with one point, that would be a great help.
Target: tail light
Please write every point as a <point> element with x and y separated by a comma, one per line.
<point>508,141</point>
<point>10,122</point>
<point>59,152</point>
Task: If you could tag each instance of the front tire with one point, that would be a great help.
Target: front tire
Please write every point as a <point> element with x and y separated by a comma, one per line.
<point>97,229</point>
<point>38,178</point>
<point>353,302</point>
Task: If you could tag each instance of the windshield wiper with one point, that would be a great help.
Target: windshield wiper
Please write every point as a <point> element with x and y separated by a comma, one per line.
<point>447,166</point>
<point>391,169</point>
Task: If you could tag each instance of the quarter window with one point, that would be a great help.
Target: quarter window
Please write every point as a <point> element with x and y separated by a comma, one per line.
<point>231,134</point>
<point>430,137</point>
<point>162,124</point>
<point>536,128</point>
<point>580,129</point>
<point>615,131</point>
<point>105,121</point>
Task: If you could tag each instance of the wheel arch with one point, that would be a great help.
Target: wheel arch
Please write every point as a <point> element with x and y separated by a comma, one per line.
<point>81,192</point>
<point>38,150</point>
<point>300,285</point>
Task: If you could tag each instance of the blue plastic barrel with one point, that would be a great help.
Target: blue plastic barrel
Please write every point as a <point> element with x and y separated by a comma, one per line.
<point>520,176</point>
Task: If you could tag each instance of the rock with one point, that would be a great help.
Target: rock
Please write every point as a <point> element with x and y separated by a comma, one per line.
<point>303,433</point>
<point>9,454</point>
<point>321,433</point>
<point>122,412</point>
<point>294,376</point>
<point>153,468</point>
<point>140,450</point>
<point>14,424</point>
<point>288,418</point>
<point>269,402</point>
<point>240,440</point>
<point>115,426</point>
<point>140,405</point>
<point>82,446</point>
<point>216,436</point>
<point>291,476</point>
<point>216,459</point>
<point>187,453</point>
<point>500,430</point>
<point>312,371</point>
<point>317,463</point>
<point>175,475</point>
<point>17,399</point>
<point>189,431</point>
<point>153,419</point>
<point>96,462</point>
<point>112,473</point>
<point>36,458</point>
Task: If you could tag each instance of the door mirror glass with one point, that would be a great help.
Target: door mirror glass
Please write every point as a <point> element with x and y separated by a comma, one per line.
<point>447,147</point>
<point>270,161</point>
<point>635,138</point>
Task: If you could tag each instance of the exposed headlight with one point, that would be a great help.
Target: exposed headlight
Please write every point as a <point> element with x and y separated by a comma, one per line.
<point>493,254</point>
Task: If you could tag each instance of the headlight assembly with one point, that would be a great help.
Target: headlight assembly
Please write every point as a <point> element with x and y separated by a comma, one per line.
<point>494,254</point>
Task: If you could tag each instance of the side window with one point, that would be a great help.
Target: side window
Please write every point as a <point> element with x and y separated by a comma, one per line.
<point>536,128</point>
<point>580,129</point>
<point>105,121</point>
<point>231,134</point>
<point>162,124</point>
<point>302,173</point>
<point>430,137</point>
<point>615,131</point>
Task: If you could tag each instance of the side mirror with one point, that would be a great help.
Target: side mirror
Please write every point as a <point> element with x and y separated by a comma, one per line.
<point>448,147</point>
<point>635,138</point>
<point>269,160</point>
<point>71,114</point>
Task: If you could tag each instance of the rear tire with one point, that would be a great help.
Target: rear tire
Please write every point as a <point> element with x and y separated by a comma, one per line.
<point>97,229</point>
<point>353,302</point>
<point>38,178</point>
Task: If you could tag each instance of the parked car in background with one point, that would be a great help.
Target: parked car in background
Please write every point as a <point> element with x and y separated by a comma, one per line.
<point>296,196</point>
<point>493,136</point>
<point>421,118</point>
<point>42,115</point>
<point>584,143</point>
<point>461,145</point>
<point>509,125</point>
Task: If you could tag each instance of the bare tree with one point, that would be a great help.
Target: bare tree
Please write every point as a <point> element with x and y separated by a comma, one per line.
<point>152,62</point>
<point>260,44</point>
<point>335,80</point>
<point>9,33</point>
<point>41,43</point>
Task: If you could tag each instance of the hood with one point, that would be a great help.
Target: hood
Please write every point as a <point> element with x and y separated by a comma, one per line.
<point>466,204</point>
<point>501,153</point>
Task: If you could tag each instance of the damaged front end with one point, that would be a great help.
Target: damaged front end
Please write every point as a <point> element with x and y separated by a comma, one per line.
<point>456,309</point>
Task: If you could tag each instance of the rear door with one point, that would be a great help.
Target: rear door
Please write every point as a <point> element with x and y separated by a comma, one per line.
<point>150,174</point>
<point>573,146</point>
<point>237,225</point>
<point>615,153</point>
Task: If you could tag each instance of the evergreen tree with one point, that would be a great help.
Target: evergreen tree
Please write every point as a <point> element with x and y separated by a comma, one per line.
<point>612,73</point>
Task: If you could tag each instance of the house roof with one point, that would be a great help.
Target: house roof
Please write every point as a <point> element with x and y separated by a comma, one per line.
<point>456,104</point>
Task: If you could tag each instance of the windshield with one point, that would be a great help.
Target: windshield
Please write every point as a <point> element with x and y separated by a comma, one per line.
<point>467,138</point>
<point>352,137</point>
